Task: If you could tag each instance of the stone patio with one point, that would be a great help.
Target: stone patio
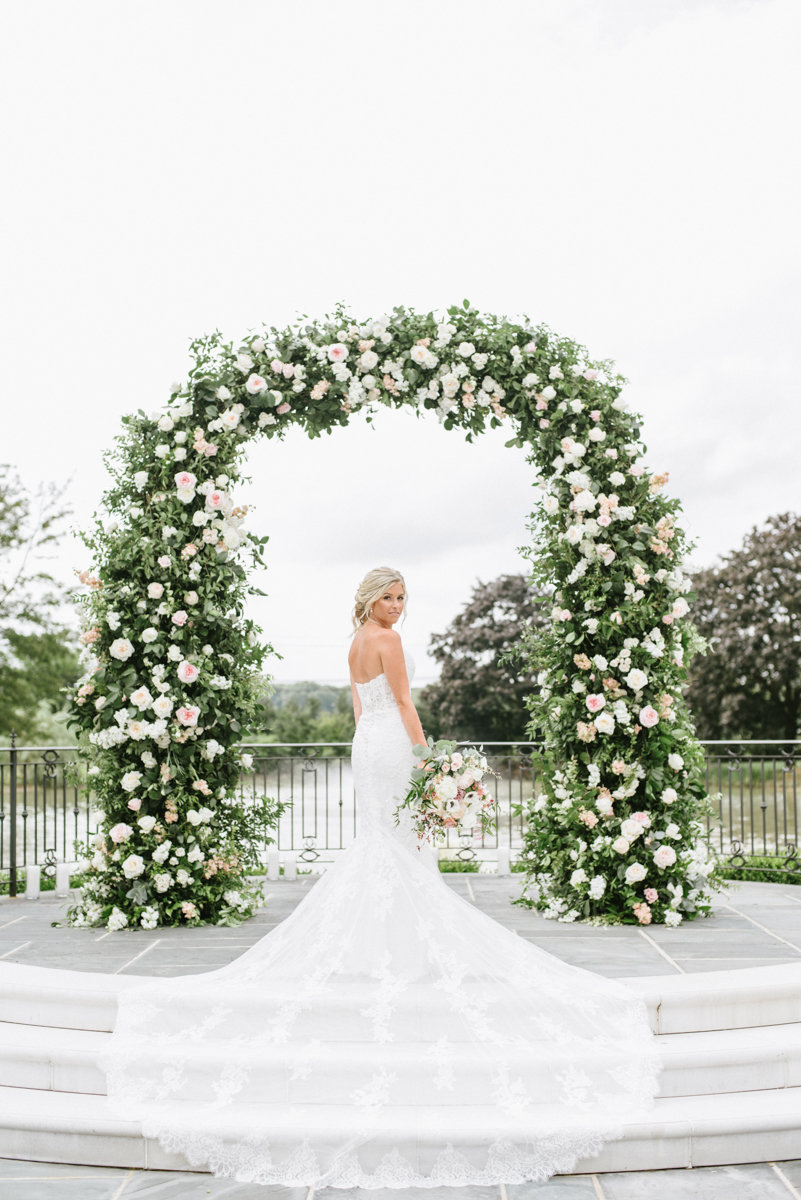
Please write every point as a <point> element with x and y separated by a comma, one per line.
<point>753,925</point>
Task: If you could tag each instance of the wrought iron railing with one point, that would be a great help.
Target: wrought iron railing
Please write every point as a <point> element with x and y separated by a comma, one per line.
<point>47,804</point>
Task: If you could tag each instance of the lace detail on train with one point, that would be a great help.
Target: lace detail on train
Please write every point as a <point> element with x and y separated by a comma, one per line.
<point>387,1033</point>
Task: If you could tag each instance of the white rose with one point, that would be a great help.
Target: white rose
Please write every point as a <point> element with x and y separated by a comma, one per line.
<point>140,480</point>
<point>665,856</point>
<point>133,866</point>
<point>121,649</point>
<point>163,706</point>
<point>146,824</point>
<point>162,882</point>
<point>636,679</point>
<point>244,362</point>
<point>162,450</point>
<point>466,349</point>
<point>675,762</point>
<point>579,876</point>
<point>620,846</point>
<point>130,780</point>
<point>635,873</point>
<point>631,829</point>
<point>669,796</point>
<point>150,634</point>
<point>166,423</point>
<point>605,723</point>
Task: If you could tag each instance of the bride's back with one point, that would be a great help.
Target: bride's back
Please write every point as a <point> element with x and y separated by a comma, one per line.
<point>364,658</point>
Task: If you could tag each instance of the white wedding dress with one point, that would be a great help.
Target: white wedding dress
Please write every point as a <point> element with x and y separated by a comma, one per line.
<point>387,1033</point>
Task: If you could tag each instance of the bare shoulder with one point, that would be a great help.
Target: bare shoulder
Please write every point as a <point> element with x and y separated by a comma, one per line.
<point>388,639</point>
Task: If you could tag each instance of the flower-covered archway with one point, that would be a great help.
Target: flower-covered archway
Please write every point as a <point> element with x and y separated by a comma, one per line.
<point>175,664</point>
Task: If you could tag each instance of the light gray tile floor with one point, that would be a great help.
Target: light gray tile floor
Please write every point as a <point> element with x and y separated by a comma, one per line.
<point>752,1181</point>
<point>754,924</point>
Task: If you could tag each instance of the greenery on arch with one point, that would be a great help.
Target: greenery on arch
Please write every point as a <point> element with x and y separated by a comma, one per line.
<point>174,663</point>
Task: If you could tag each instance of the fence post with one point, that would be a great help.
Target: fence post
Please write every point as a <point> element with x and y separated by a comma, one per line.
<point>12,839</point>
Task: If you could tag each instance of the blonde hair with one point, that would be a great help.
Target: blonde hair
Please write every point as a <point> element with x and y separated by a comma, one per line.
<point>373,586</point>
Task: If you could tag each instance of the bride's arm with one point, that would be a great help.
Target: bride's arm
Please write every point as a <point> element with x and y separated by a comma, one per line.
<point>357,704</point>
<point>394,667</point>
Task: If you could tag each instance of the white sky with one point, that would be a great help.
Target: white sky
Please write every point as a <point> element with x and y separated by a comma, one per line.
<point>625,170</point>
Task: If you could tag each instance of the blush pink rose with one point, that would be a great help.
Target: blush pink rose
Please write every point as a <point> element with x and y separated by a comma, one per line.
<point>164,561</point>
<point>649,716</point>
<point>283,408</point>
<point>185,479</point>
<point>595,415</point>
<point>595,702</point>
<point>187,672</point>
<point>188,714</point>
<point>179,618</point>
<point>651,895</point>
<point>135,803</point>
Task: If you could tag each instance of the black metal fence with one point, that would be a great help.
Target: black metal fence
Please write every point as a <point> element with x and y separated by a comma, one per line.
<point>47,806</point>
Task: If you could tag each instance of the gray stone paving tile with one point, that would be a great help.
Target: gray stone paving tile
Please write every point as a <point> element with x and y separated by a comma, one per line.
<point>437,1193</point>
<point>755,1181</point>
<point>699,965</point>
<point>167,1185</point>
<point>19,1169</point>
<point>792,1170</point>
<point>560,1187</point>
<point>59,1189</point>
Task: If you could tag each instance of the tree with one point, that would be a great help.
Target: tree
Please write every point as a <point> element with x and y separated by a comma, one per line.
<point>480,694</point>
<point>36,658</point>
<point>748,608</point>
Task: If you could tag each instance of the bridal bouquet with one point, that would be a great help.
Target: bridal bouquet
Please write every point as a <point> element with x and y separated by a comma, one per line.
<point>447,790</point>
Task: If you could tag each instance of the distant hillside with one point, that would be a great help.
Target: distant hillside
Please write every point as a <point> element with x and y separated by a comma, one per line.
<point>299,694</point>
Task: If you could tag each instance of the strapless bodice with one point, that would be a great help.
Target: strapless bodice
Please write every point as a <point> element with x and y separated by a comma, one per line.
<point>376,695</point>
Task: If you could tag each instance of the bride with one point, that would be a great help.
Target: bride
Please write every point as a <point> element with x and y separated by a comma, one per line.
<point>387,1033</point>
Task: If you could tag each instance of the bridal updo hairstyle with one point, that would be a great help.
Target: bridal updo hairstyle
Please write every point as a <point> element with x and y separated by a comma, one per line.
<point>373,586</point>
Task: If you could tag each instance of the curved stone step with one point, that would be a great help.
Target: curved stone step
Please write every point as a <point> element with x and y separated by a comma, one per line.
<point>678,1003</point>
<point>678,1132</point>
<point>695,1063</point>
<point>737,999</point>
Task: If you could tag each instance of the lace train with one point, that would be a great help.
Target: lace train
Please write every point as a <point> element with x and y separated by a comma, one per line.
<point>387,1033</point>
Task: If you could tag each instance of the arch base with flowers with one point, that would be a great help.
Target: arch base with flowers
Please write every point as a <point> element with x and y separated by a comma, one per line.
<point>174,671</point>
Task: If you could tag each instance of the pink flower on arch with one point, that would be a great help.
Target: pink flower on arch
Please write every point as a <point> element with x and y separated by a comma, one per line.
<point>595,702</point>
<point>187,672</point>
<point>187,715</point>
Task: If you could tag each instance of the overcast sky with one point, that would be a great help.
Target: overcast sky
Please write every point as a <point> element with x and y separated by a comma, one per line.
<point>625,170</point>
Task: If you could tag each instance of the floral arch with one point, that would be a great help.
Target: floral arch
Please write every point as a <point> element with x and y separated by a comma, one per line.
<point>174,662</point>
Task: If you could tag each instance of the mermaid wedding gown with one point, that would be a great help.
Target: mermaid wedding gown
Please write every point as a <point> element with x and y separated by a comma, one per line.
<point>387,1033</point>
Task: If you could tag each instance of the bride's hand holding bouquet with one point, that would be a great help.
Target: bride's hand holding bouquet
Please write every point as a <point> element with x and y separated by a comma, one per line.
<point>448,788</point>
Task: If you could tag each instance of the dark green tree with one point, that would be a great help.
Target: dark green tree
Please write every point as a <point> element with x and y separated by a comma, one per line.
<point>481,693</point>
<point>37,652</point>
<point>748,609</point>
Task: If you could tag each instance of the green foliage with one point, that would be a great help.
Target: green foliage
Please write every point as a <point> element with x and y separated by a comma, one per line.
<point>482,689</point>
<point>37,655</point>
<point>748,612</point>
<point>170,587</point>
<point>302,718</point>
